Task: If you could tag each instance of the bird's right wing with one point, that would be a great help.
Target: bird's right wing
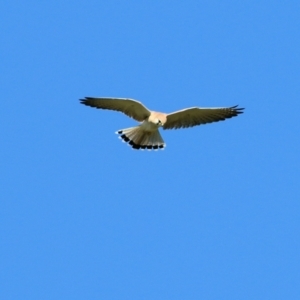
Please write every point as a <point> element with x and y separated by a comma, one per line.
<point>129,107</point>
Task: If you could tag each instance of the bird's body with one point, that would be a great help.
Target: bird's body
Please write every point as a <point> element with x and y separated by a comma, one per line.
<point>146,135</point>
<point>149,126</point>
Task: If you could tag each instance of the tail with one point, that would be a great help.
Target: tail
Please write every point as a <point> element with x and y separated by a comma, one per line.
<point>138,138</point>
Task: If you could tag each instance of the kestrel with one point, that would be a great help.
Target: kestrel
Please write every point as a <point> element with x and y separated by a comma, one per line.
<point>146,135</point>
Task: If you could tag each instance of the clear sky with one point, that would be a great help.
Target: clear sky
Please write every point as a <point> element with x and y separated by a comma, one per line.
<point>216,215</point>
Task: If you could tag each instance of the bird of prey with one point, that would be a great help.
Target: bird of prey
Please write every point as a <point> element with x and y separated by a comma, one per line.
<point>146,134</point>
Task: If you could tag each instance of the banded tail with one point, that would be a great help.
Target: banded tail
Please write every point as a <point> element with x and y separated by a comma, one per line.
<point>138,138</point>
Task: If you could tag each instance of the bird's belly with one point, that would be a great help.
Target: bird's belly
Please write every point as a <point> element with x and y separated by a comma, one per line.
<point>149,126</point>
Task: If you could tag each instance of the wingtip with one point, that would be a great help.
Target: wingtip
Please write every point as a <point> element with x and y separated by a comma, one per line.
<point>87,101</point>
<point>82,101</point>
<point>238,110</point>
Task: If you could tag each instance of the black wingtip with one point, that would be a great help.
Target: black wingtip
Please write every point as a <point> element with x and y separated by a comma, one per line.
<point>237,110</point>
<point>83,101</point>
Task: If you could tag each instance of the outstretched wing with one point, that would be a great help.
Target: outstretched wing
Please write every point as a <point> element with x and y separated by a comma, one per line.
<point>197,116</point>
<point>129,107</point>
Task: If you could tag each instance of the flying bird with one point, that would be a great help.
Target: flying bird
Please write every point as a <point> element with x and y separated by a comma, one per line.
<point>146,135</point>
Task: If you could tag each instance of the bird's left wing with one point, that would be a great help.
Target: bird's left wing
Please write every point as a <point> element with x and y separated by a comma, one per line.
<point>197,116</point>
<point>130,107</point>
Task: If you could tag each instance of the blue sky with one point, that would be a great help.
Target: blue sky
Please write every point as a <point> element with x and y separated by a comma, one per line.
<point>216,215</point>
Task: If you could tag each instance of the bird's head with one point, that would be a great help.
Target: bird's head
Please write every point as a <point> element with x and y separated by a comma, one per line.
<point>158,122</point>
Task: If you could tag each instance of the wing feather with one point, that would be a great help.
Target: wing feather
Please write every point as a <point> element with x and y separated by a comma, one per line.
<point>129,107</point>
<point>197,116</point>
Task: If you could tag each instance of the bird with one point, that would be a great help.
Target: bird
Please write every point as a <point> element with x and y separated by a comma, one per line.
<point>146,135</point>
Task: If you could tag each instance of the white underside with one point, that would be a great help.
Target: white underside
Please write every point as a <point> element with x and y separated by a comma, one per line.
<point>149,126</point>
